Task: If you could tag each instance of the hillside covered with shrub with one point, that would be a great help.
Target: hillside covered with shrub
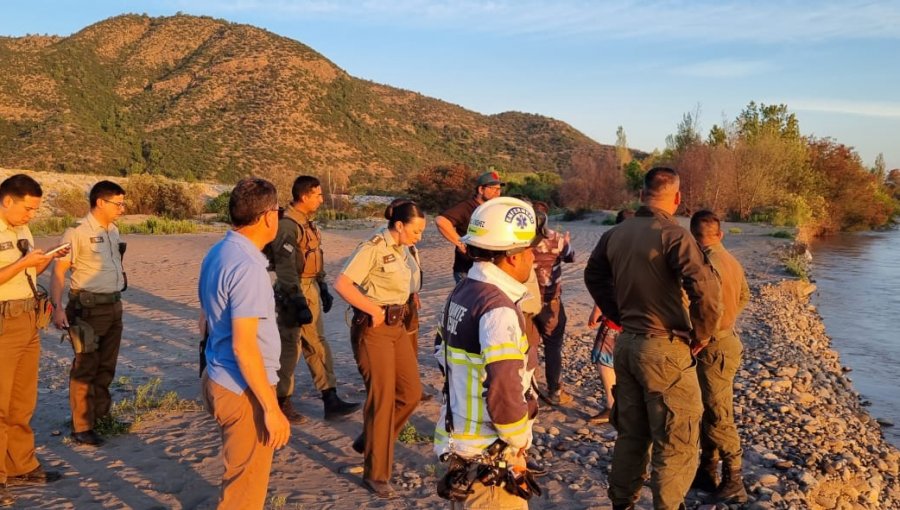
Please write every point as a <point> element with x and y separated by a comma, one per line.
<point>196,98</point>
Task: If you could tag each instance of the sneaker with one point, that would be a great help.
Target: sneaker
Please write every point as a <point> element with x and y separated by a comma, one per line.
<point>558,398</point>
<point>599,418</point>
<point>88,437</point>
<point>36,476</point>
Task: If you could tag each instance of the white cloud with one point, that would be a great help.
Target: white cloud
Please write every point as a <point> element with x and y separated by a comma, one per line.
<point>766,21</point>
<point>885,109</point>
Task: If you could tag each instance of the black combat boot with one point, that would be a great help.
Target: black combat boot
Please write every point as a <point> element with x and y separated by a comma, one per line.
<point>287,408</point>
<point>731,490</point>
<point>706,477</point>
<point>335,407</point>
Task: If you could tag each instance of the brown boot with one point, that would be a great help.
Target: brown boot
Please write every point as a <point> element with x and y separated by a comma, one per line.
<point>706,477</point>
<point>287,408</point>
<point>731,490</point>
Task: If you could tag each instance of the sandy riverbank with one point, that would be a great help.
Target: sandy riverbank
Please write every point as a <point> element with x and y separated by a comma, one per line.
<point>808,443</point>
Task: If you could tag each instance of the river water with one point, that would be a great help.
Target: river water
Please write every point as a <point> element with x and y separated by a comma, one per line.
<point>858,277</point>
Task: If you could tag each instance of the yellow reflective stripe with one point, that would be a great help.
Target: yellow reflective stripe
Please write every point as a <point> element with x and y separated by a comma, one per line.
<point>470,423</point>
<point>512,429</point>
<point>476,396</point>
<point>465,437</point>
<point>462,357</point>
<point>517,357</point>
<point>505,345</point>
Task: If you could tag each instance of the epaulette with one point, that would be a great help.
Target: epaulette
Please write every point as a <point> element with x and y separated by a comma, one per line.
<point>377,238</point>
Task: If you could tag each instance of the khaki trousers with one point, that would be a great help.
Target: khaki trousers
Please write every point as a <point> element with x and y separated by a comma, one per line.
<point>717,365</point>
<point>20,353</point>
<point>388,366</point>
<point>657,409</point>
<point>490,498</point>
<point>493,497</point>
<point>247,459</point>
<point>92,373</point>
<point>310,338</point>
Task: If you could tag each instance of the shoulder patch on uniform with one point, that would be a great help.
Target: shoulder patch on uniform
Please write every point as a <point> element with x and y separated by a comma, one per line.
<point>376,239</point>
<point>98,239</point>
<point>288,247</point>
<point>6,246</point>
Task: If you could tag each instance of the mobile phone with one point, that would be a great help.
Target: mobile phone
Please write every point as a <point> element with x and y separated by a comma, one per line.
<point>55,249</point>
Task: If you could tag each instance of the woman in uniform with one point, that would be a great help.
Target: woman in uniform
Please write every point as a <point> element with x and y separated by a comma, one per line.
<point>378,281</point>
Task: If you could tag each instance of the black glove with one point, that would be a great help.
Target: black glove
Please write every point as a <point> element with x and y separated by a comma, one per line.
<point>299,310</point>
<point>325,296</point>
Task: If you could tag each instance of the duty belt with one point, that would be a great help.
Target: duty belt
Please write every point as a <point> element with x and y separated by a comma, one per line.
<point>16,307</point>
<point>89,299</point>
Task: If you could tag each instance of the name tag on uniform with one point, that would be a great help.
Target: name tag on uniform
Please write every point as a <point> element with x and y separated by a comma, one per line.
<point>387,259</point>
<point>98,239</point>
<point>6,246</point>
<point>288,247</point>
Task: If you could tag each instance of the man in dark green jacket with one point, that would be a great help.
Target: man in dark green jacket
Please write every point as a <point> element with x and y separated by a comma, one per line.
<point>302,298</point>
<point>648,275</point>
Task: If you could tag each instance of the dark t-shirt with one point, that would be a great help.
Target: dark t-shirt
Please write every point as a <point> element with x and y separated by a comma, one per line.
<point>459,215</point>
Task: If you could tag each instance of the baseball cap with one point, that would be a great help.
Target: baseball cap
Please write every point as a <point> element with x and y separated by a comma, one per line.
<point>489,179</point>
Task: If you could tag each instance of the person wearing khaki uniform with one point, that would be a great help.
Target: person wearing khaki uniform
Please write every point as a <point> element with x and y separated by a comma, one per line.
<point>717,365</point>
<point>648,275</point>
<point>93,314</point>
<point>300,284</point>
<point>378,281</point>
<point>20,343</point>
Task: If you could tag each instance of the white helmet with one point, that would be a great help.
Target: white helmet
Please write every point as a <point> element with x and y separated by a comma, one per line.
<point>501,224</point>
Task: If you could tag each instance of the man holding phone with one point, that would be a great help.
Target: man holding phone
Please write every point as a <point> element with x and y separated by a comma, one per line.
<point>93,314</point>
<point>20,343</point>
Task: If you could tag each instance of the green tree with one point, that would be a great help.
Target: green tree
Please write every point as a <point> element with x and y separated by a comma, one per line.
<point>623,154</point>
<point>438,187</point>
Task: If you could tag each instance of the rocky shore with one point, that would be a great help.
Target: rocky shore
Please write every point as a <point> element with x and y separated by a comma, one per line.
<point>808,440</point>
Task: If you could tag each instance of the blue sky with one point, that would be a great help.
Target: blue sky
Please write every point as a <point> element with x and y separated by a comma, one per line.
<point>594,64</point>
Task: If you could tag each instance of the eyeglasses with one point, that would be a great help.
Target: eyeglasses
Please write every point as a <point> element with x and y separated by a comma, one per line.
<point>267,211</point>
<point>120,205</point>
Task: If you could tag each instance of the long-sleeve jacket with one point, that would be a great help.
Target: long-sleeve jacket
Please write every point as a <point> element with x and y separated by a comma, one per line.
<point>735,291</point>
<point>297,251</point>
<point>549,255</point>
<point>490,364</point>
<point>642,270</point>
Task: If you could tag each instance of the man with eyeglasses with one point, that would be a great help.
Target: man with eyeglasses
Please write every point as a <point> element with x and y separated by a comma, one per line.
<point>453,222</point>
<point>93,314</point>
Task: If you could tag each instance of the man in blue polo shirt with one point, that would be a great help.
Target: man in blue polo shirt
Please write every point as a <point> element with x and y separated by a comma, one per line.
<point>243,346</point>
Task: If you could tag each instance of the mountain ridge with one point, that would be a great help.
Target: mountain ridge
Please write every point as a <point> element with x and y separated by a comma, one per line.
<point>194,97</point>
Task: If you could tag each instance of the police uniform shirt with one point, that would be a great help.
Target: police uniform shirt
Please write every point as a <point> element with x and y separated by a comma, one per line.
<point>16,287</point>
<point>96,262</point>
<point>415,269</point>
<point>382,268</point>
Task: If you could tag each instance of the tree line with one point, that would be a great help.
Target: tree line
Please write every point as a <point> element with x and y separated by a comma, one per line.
<point>758,167</point>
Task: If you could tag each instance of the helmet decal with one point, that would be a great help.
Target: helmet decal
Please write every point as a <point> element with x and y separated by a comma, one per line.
<point>523,217</point>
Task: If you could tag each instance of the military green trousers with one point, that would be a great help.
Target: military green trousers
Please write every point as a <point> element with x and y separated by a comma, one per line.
<point>310,339</point>
<point>657,414</point>
<point>717,365</point>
